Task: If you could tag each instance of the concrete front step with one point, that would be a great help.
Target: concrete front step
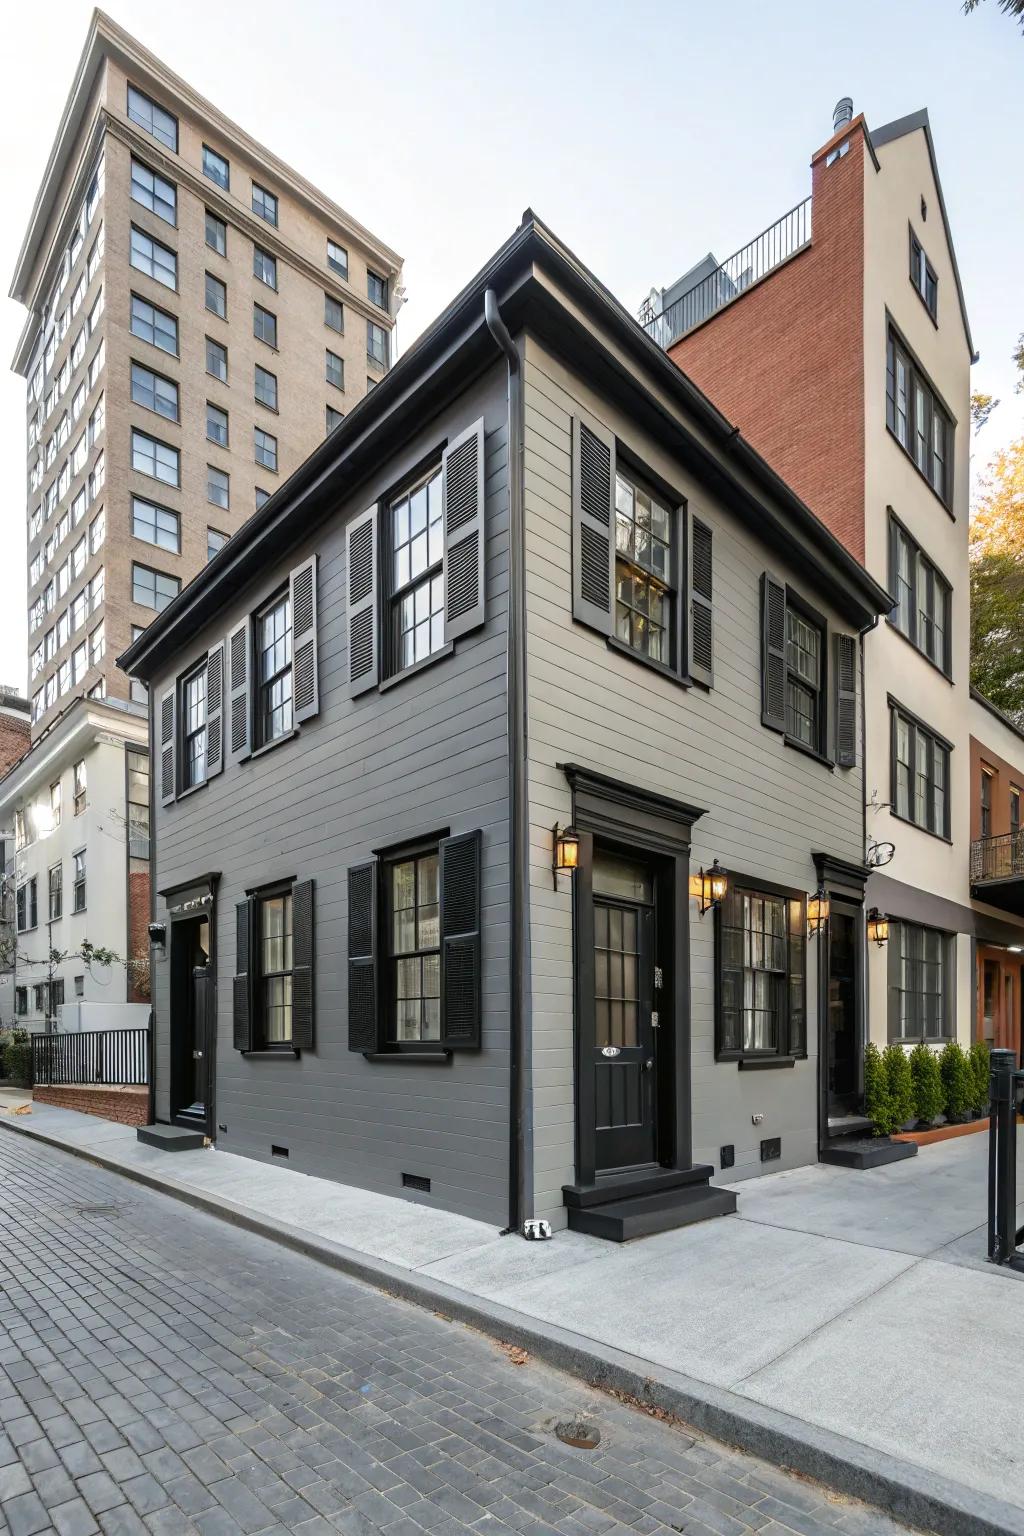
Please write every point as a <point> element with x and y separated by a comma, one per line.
<point>643,1215</point>
<point>866,1151</point>
<point>170,1138</point>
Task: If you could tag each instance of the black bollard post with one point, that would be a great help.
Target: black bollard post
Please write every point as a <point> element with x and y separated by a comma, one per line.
<point>1002,1158</point>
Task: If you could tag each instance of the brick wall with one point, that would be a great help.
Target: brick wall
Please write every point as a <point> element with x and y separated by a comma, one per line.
<point>15,734</point>
<point>785,361</point>
<point>129,1106</point>
<point>138,935</point>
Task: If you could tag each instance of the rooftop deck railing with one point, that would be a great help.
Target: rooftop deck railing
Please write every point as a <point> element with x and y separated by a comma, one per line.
<point>997,858</point>
<point>730,278</point>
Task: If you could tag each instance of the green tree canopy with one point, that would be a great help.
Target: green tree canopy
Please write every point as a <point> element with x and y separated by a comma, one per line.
<point>997,584</point>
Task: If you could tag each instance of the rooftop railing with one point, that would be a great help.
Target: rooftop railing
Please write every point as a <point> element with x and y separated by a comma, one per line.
<point>730,278</point>
<point>997,858</point>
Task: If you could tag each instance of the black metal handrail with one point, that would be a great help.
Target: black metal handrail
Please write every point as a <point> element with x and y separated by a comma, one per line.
<point>109,1056</point>
<point>997,858</point>
<point>731,277</point>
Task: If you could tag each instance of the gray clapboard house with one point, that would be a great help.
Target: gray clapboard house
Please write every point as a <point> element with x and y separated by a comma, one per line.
<point>534,583</point>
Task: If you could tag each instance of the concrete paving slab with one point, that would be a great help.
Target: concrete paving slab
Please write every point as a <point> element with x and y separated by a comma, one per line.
<point>716,1301</point>
<point>501,1267</point>
<point>914,1370</point>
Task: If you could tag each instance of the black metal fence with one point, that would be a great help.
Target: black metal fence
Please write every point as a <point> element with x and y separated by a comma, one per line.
<point>731,277</point>
<point>997,858</point>
<point>118,1056</point>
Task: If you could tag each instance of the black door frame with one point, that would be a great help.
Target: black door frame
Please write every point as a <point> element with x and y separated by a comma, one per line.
<point>843,882</point>
<point>635,821</point>
<point>185,904</point>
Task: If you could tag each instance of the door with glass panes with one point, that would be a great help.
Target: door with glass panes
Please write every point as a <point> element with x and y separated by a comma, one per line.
<point>625,1013</point>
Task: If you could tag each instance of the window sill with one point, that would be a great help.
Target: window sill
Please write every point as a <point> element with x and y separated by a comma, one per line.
<point>268,746</point>
<point>917,649</point>
<point>765,1063</point>
<point>439,1056</point>
<point>183,794</point>
<point>940,837</point>
<point>680,679</point>
<point>266,1053</point>
<point>265,407</point>
<point>417,666</point>
<point>811,752</point>
<point>918,470</point>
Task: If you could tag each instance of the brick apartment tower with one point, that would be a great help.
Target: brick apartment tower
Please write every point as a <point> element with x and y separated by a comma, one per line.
<point>838,343</point>
<point>199,317</point>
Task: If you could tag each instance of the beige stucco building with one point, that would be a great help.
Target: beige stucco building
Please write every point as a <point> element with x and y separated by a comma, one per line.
<point>199,316</point>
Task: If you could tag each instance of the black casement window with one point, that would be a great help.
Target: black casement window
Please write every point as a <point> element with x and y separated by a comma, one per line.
<point>761,974</point>
<point>55,881</point>
<point>273,988</point>
<point>273,682</point>
<point>794,652</point>
<point>415,566</point>
<point>190,722</point>
<point>986,803</point>
<point>922,275</point>
<point>274,670</point>
<point>27,906</point>
<point>920,773</point>
<point>924,598</point>
<point>21,1001</point>
<point>414,948</point>
<point>645,563</point>
<point>641,565</point>
<point>918,420</point>
<point>922,983</point>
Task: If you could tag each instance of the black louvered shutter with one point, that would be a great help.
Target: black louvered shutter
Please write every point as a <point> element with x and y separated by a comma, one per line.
<point>167,771</point>
<point>305,681</point>
<point>241,985</point>
<point>460,880</point>
<point>363,1022</point>
<point>463,501</point>
<point>702,628</point>
<point>593,525</point>
<point>361,564</point>
<point>239,708</point>
<point>215,711</point>
<point>846,701</point>
<point>773,653</point>
<point>303,975</point>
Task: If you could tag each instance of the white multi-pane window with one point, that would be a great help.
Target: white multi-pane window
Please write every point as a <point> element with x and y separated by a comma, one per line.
<point>96,420</point>
<point>78,350</point>
<point>35,522</point>
<point>50,547</point>
<point>36,662</point>
<point>62,629</point>
<point>96,366</point>
<point>78,401</point>
<point>79,663</point>
<point>96,590</point>
<point>97,531</point>
<point>79,454</point>
<point>50,643</point>
<point>51,450</point>
<point>78,506</point>
<point>97,477</point>
<point>97,645</point>
<point>78,296</point>
<point>50,595</point>
<point>63,430</point>
<point>64,480</point>
<point>96,313</point>
<point>38,705</point>
<point>96,254</point>
<point>63,578</point>
<point>51,690</point>
<point>78,611</point>
<point>35,569</point>
<point>64,678</point>
<point>64,527</point>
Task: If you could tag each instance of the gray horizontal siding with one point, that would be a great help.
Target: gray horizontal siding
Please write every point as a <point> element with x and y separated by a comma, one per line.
<point>369,773</point>
<point>767,805</point>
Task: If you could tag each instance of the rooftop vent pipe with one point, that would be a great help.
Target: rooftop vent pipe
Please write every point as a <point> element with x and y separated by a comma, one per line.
<point>842,113</point>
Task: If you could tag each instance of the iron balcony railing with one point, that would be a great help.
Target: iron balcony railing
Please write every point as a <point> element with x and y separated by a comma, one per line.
<point>730,278</point>
<point>118,1056</point>
<point>997,858</point>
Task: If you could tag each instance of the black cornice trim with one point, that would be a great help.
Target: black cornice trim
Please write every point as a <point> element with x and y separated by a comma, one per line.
<point>603,787</point>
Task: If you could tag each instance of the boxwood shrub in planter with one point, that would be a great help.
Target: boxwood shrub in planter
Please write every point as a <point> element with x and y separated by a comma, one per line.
<point>927,1079</point>
<point>978,1066</point>
<point>957,1083</point>
<point>878,1105</point>
<point>901,1084</point>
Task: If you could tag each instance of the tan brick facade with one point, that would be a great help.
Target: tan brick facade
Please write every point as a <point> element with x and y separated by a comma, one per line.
<point>14,737</point>
<point>793,342</point>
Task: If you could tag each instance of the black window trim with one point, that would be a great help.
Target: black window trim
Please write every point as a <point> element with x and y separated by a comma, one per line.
<point>943,671</point>
<point>917,724</point>
<point>894,334</point>
<point>279,591</point>
<point>745,1060</point>
<point>386,859</point>
<point>949,996</point>
<point>255,895</point>
<point>429,465</point>
<point>820,753</point>
<point>914,241</point>
<point>181,789</point>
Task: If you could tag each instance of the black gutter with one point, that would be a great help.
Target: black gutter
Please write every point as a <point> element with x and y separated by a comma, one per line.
<point>520,1191</point>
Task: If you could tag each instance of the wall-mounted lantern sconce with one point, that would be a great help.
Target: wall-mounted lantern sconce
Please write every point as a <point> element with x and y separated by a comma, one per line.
<point>709,887</point>
<point>878,927</point>
<point>818,910</point>
<point>158,933</point>
<point>565,852</point>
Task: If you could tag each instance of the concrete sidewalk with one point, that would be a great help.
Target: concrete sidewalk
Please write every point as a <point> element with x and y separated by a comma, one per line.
<point>843,1323</point>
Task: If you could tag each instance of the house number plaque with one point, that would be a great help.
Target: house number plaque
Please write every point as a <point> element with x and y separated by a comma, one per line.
<point>609,1050</point>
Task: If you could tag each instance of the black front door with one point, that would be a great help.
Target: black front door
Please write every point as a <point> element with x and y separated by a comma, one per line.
<point>192,1020</point>
<point>843,1010</point>
<point>625,1015</point>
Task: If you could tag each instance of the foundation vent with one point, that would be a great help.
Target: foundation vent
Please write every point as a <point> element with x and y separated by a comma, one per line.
<point>278,1151</point>
<point>727,1156</point>
<point>771,1149</point>
<point>416,1181</point>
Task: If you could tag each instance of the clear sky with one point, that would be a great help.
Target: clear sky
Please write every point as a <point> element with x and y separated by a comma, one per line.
<point>644,134</point>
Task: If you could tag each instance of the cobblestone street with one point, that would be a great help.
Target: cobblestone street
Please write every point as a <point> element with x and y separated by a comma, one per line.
<point>164,1374</point>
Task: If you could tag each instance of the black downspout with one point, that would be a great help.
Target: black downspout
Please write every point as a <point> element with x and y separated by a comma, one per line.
<point>515,662</point>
